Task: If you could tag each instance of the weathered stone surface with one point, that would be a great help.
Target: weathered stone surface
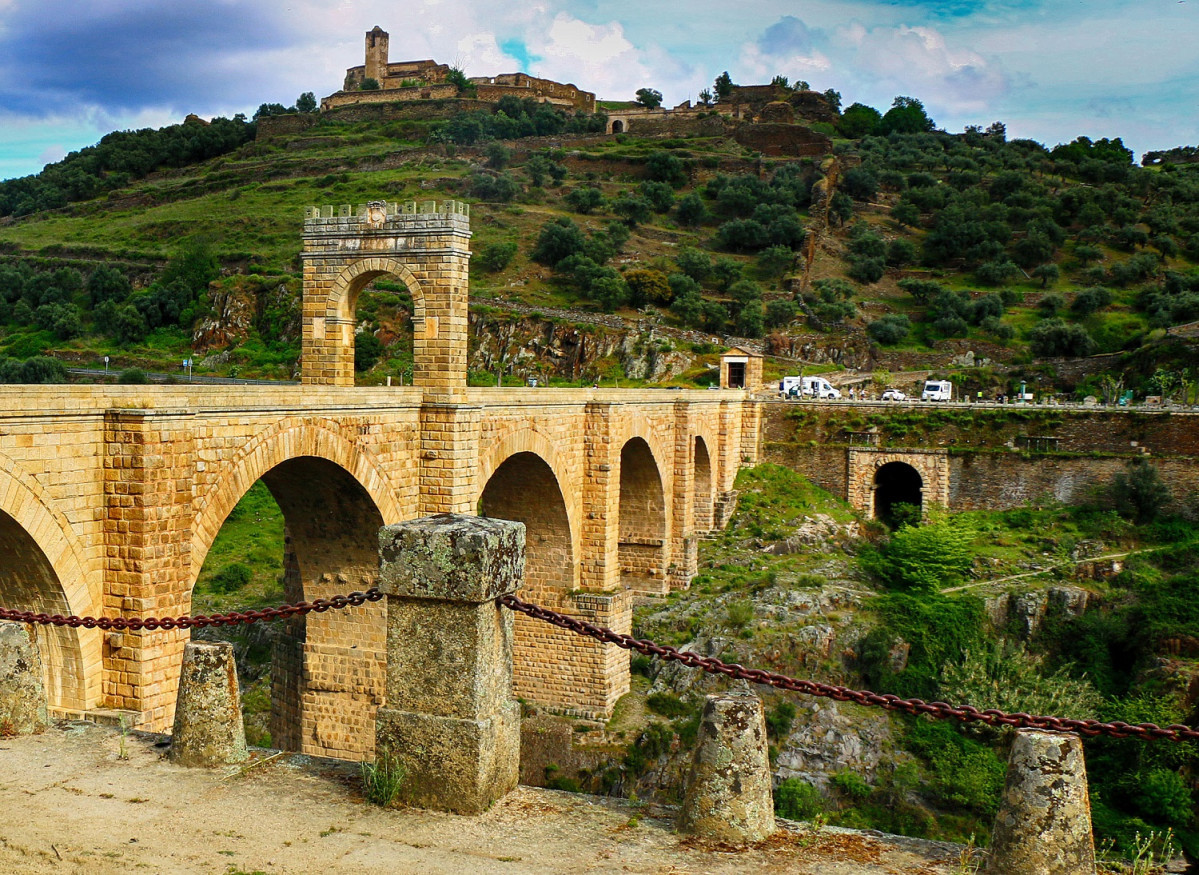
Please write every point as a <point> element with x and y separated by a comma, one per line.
<point>208,726</point>
<point>22,691</point>
<point>453,764</point>
<point>828,737</point>
<point>728,794</point>
<point>1044,822</point>
<point>458,558</point>
<point>451,720</point>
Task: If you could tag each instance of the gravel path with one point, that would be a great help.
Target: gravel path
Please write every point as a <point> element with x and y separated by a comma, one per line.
<point>73,803</point>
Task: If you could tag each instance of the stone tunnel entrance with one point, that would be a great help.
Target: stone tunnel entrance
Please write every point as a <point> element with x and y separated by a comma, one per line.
<point>327,669</point>
<point>898,493</point>
<point>703,519</point>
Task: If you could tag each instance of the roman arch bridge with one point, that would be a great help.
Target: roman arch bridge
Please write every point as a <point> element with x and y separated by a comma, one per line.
<point>111,496</point>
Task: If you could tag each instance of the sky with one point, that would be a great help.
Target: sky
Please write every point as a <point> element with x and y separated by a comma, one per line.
<point>1051,70</point>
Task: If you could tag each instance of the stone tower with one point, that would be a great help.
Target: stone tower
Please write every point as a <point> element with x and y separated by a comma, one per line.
<point>376,54</point>
<point>424,245</point>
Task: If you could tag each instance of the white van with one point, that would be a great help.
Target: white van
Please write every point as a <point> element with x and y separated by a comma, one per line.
<point>937,390</point>
<point>818,387</point>
<point>789,387</point>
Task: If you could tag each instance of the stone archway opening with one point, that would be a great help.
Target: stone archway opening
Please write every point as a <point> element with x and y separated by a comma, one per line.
<point>898,493</point>
<point>28,582</point>
<point>618,126</point>
<point>383,311</point>
<point>311,523</point>
<point>524,488</point>
<point>703,509</point>
<point>642,538</point>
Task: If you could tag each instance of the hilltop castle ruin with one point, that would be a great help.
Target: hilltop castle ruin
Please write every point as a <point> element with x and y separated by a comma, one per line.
<point>427,79</point>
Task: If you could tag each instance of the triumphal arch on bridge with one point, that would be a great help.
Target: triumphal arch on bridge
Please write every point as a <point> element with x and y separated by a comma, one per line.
<point>111,496</point>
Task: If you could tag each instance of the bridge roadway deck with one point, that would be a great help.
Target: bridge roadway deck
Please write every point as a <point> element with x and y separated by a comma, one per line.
<point>111,496</point>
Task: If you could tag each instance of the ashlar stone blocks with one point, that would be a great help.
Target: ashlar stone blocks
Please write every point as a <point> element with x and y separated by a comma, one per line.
<point>450,718</point>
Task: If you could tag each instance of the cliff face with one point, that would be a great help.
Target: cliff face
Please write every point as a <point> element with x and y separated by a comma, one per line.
<point>573,351</point>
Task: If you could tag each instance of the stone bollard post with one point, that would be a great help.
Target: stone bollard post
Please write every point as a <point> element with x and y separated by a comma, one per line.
<point>22,691</point>
<point>208,726</point>
<point>1044,822</point>
<point>450,718</point>
<point>728,794</point>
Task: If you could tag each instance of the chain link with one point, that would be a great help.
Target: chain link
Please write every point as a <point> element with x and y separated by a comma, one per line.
<point>939,710</point>
<point>135,624</point>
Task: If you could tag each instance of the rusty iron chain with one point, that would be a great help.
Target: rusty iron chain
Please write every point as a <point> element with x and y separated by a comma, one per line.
<point>135,624</point>
<point>939,710</point>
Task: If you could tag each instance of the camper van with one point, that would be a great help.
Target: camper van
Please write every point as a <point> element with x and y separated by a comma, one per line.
<point>790,387</point>
<point>937,390</point>
<point>818,387</point>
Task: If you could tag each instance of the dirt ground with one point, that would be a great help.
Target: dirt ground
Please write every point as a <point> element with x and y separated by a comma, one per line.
<point>85,798</point>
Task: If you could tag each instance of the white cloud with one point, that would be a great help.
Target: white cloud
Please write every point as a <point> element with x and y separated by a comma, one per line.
<point>596,57</point>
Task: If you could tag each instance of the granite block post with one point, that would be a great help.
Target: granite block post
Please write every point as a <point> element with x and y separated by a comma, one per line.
<point>450,718</point>
<point>208,727</point>
<point>1044,822</point>
<point>22,691</point>
<point>728,795</point>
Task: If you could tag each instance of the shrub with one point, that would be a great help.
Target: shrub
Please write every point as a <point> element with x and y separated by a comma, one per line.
<point>665,167</point>
<point>866,270</point>
<point>1089,301</point>
<point>780,313</point>
<point>559,239</point>
<point>891,328</point>
<point>1053,337</point>
<point>496,256</point>
<point>852,785</point>
<point>584,200</point>
<point>133,376</point>
<point>1163,796</point>
<point>667,704</point>
<point>694,263</point>
<point>691,210</point>
<point>739,614</point>
<point>659,194</point>
<point>1139,493</point>
<point>497,188</point>
<point>368,349</point>
<point>795,799</point>
<point>633,210</point>
<point>779,719</point>
<point>925,558</point>
<point>231,578</point>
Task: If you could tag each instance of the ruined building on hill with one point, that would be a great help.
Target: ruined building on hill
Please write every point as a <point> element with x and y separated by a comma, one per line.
<point>427,80</point>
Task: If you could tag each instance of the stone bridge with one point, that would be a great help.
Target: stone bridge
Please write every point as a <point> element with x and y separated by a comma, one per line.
<point>111,496</point>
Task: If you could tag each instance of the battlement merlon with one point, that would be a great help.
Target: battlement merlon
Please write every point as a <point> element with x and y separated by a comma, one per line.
<point>380,215</point>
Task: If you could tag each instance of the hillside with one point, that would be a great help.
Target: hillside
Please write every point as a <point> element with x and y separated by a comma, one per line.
<point>898,252</point>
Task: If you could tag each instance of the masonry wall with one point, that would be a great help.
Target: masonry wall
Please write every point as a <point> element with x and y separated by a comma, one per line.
<point>115,494</point>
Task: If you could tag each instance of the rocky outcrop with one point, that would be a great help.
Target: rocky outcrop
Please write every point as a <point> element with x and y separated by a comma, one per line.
<point>818,534</point>
<point>828,737</point>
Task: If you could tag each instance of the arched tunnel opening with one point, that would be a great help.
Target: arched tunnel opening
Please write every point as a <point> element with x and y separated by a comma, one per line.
<point>898,494</point>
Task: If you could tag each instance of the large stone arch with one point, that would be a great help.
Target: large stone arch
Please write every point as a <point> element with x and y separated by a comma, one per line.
<point>42,568</point>
<point>327,669</point>
<point>287,439</point>
<point>529,440</point>
<point>524,487</point>
<point>932,466</point>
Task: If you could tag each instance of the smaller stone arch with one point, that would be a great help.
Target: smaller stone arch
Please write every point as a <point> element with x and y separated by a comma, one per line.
<point>703,485</point>
<point>644,519</point>
<point>930,467</point>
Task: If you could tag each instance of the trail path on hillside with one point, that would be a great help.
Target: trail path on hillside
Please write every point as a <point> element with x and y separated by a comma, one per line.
<point>72,804</point>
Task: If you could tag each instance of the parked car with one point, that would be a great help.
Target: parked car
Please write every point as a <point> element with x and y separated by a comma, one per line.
<point>894,395</point>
